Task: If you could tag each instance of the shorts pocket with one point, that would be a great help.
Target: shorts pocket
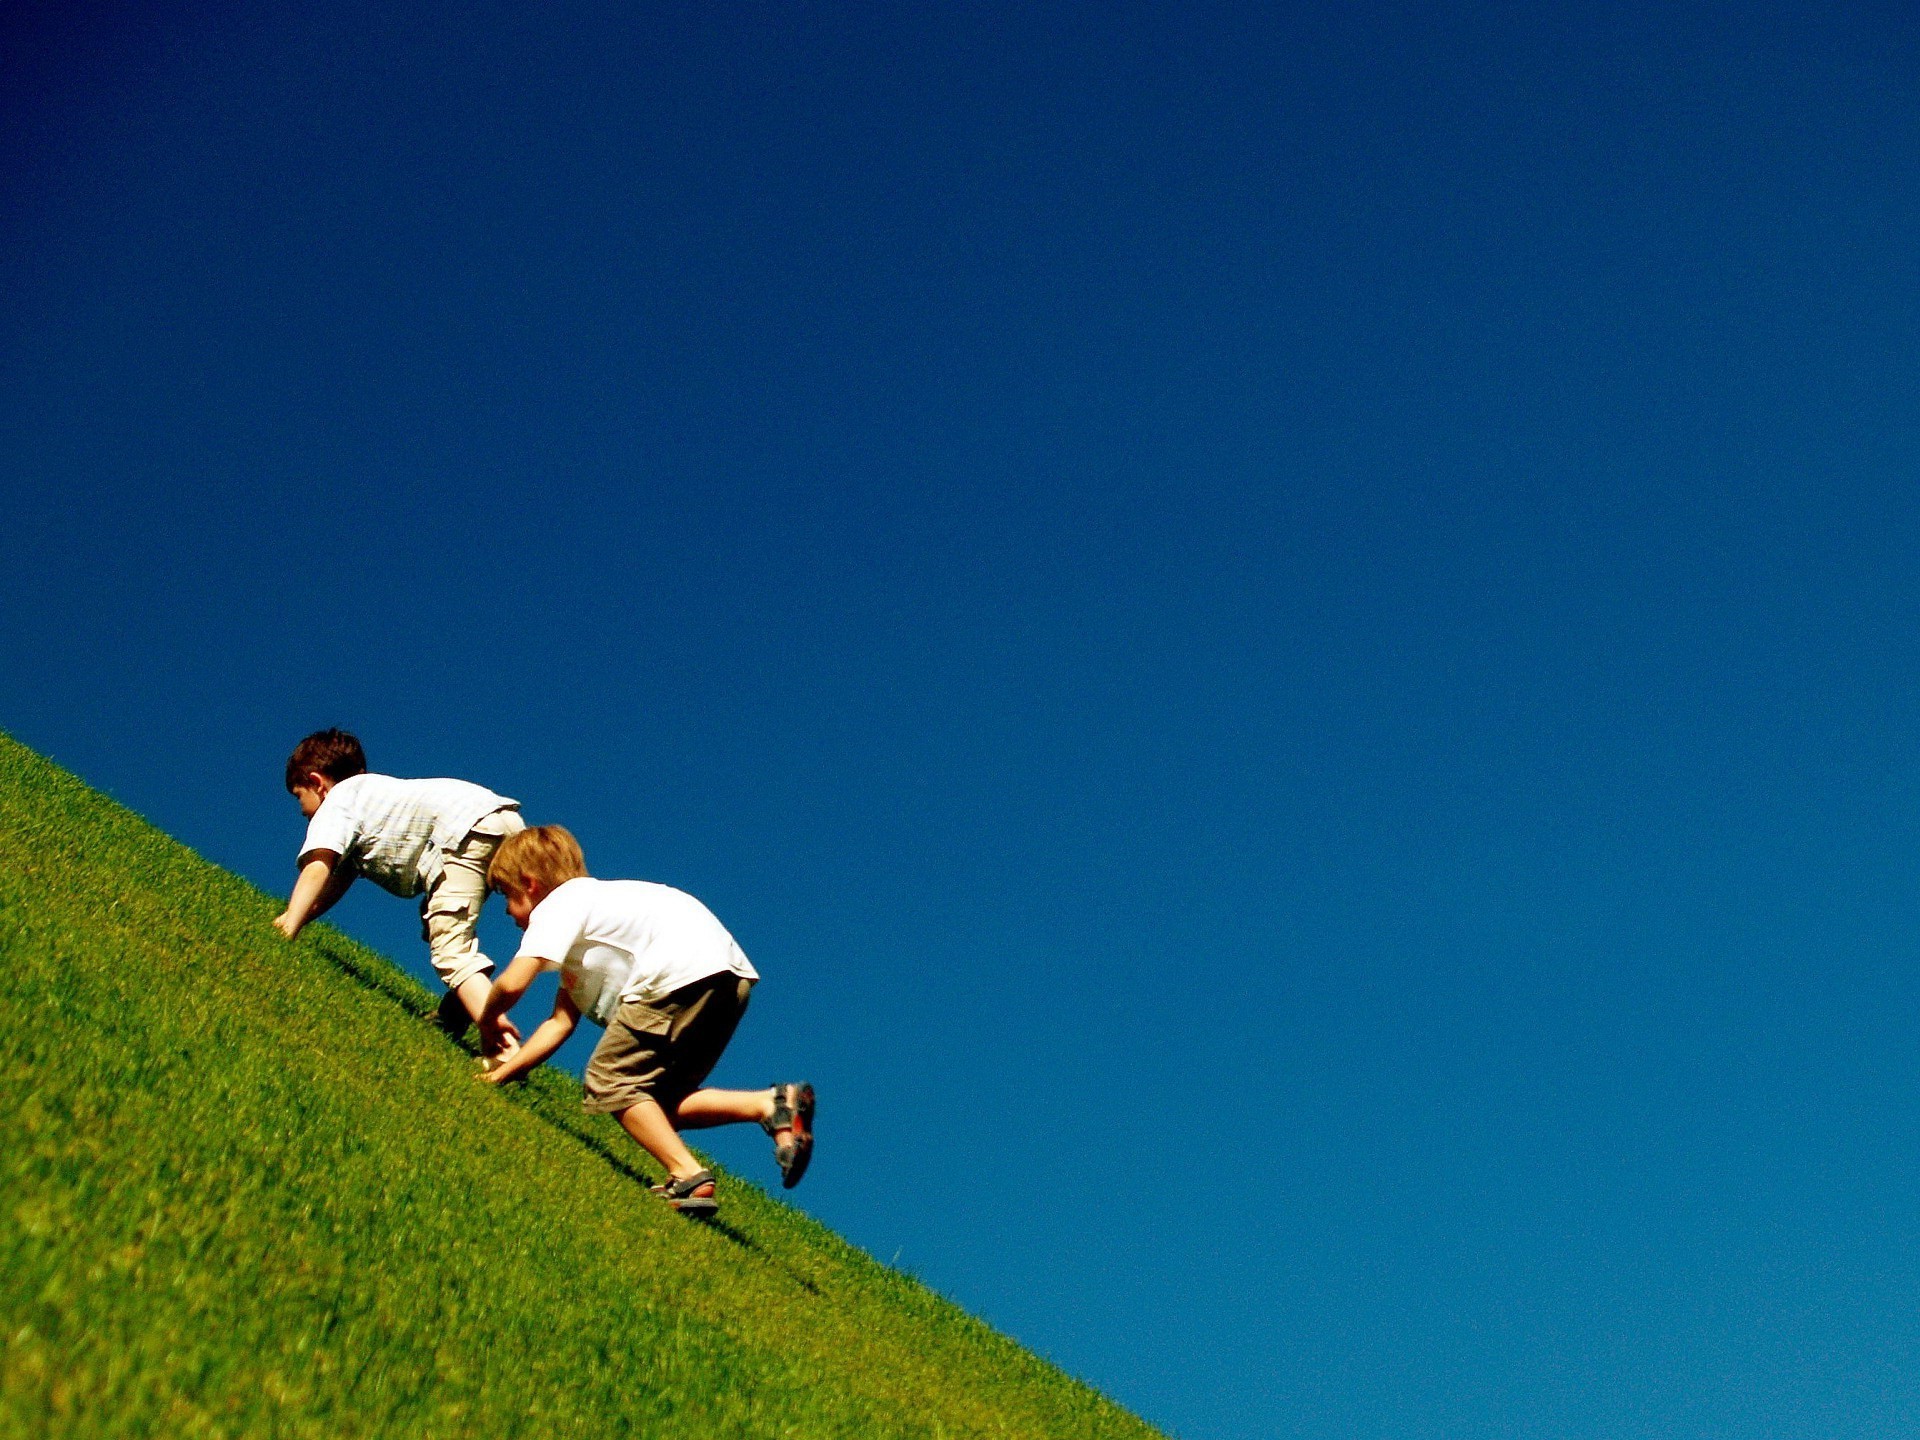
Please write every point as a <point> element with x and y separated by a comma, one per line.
<point>441,913</point>
<point>644,1019</point>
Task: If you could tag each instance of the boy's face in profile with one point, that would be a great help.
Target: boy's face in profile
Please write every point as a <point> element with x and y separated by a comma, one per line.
<point>311,794</point>
<point>520,902</point>
<point>519,907</point>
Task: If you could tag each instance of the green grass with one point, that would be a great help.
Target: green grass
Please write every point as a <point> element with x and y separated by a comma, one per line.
<point>248,1189</point>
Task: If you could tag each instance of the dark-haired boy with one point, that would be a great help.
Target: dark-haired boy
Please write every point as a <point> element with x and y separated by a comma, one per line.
<point>431,838</point>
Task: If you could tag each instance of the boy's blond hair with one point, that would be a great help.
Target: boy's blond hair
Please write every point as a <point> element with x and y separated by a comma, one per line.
<point>546,853</point>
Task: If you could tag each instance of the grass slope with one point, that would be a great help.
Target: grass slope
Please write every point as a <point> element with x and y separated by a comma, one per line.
<point>249,1190</point>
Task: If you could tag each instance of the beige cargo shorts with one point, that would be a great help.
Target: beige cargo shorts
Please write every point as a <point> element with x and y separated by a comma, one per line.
<point>450,910</point>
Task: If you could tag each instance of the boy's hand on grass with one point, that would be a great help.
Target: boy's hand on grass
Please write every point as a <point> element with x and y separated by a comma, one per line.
<point>499,1046</point>
<point>499,1036</point>
<point>494,1071</point>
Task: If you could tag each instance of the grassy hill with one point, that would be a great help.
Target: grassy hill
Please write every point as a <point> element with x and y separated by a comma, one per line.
<point>249,1190</point>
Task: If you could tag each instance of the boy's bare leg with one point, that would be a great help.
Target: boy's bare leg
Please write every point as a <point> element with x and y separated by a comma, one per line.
<point>704,1109</point>
<point>792,1140</point>
<point>469,997</point>
<point>647,1123</point>
<point>473,995</point>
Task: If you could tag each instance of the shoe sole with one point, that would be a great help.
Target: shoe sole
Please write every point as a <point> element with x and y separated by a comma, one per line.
<point>802,1137</point>
<point>695,1206</point>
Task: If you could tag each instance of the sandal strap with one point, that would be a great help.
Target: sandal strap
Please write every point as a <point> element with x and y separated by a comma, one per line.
<point>680,1189</point>
<point>782,1116</point>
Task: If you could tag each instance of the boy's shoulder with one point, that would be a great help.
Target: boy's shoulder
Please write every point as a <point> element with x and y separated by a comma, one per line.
<point>575,894</point>
<point>435,792</point>
<point>631,906</point>
<point>375,804</point>
<point>613,891</point>
<point>356,791</point>
<point>565,910</point>
<point>608,900</point>
<point>359,782</point>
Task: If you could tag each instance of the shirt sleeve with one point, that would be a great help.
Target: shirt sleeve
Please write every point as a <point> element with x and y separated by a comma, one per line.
<point>553,930</point>
<point>331,828</point>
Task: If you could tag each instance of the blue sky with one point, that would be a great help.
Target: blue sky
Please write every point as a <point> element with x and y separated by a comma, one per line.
<point>1288,635</point>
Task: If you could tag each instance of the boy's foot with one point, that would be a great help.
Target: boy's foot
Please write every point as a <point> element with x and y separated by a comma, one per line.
<point>691,1196</point>
<point>793,1113</point>
<point>451,1016</point>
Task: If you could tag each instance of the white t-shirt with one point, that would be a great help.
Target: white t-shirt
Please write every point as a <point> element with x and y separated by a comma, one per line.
<point>394,832</point>
<point>619,940</point>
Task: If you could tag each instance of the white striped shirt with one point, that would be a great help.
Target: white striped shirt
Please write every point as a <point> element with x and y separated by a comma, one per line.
<point>394,832</point>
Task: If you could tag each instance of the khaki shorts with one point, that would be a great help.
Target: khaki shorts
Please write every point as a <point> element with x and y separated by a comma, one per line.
<point>661,1050</point>
<point>450,910</point>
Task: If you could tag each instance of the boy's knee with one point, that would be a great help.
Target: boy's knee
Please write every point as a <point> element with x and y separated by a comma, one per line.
<point>456,970</point>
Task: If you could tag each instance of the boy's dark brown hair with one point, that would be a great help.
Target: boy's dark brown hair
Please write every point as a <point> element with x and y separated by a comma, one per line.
<point>332,753</point>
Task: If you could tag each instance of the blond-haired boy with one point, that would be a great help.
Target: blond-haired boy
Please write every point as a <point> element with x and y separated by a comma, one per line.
<point>652,965</point>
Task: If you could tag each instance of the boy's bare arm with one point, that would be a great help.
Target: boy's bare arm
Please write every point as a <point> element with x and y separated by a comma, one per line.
<point>509,985</point>
<point>323,880</point>
<point>548,1037</point>
<point>505,992</point>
